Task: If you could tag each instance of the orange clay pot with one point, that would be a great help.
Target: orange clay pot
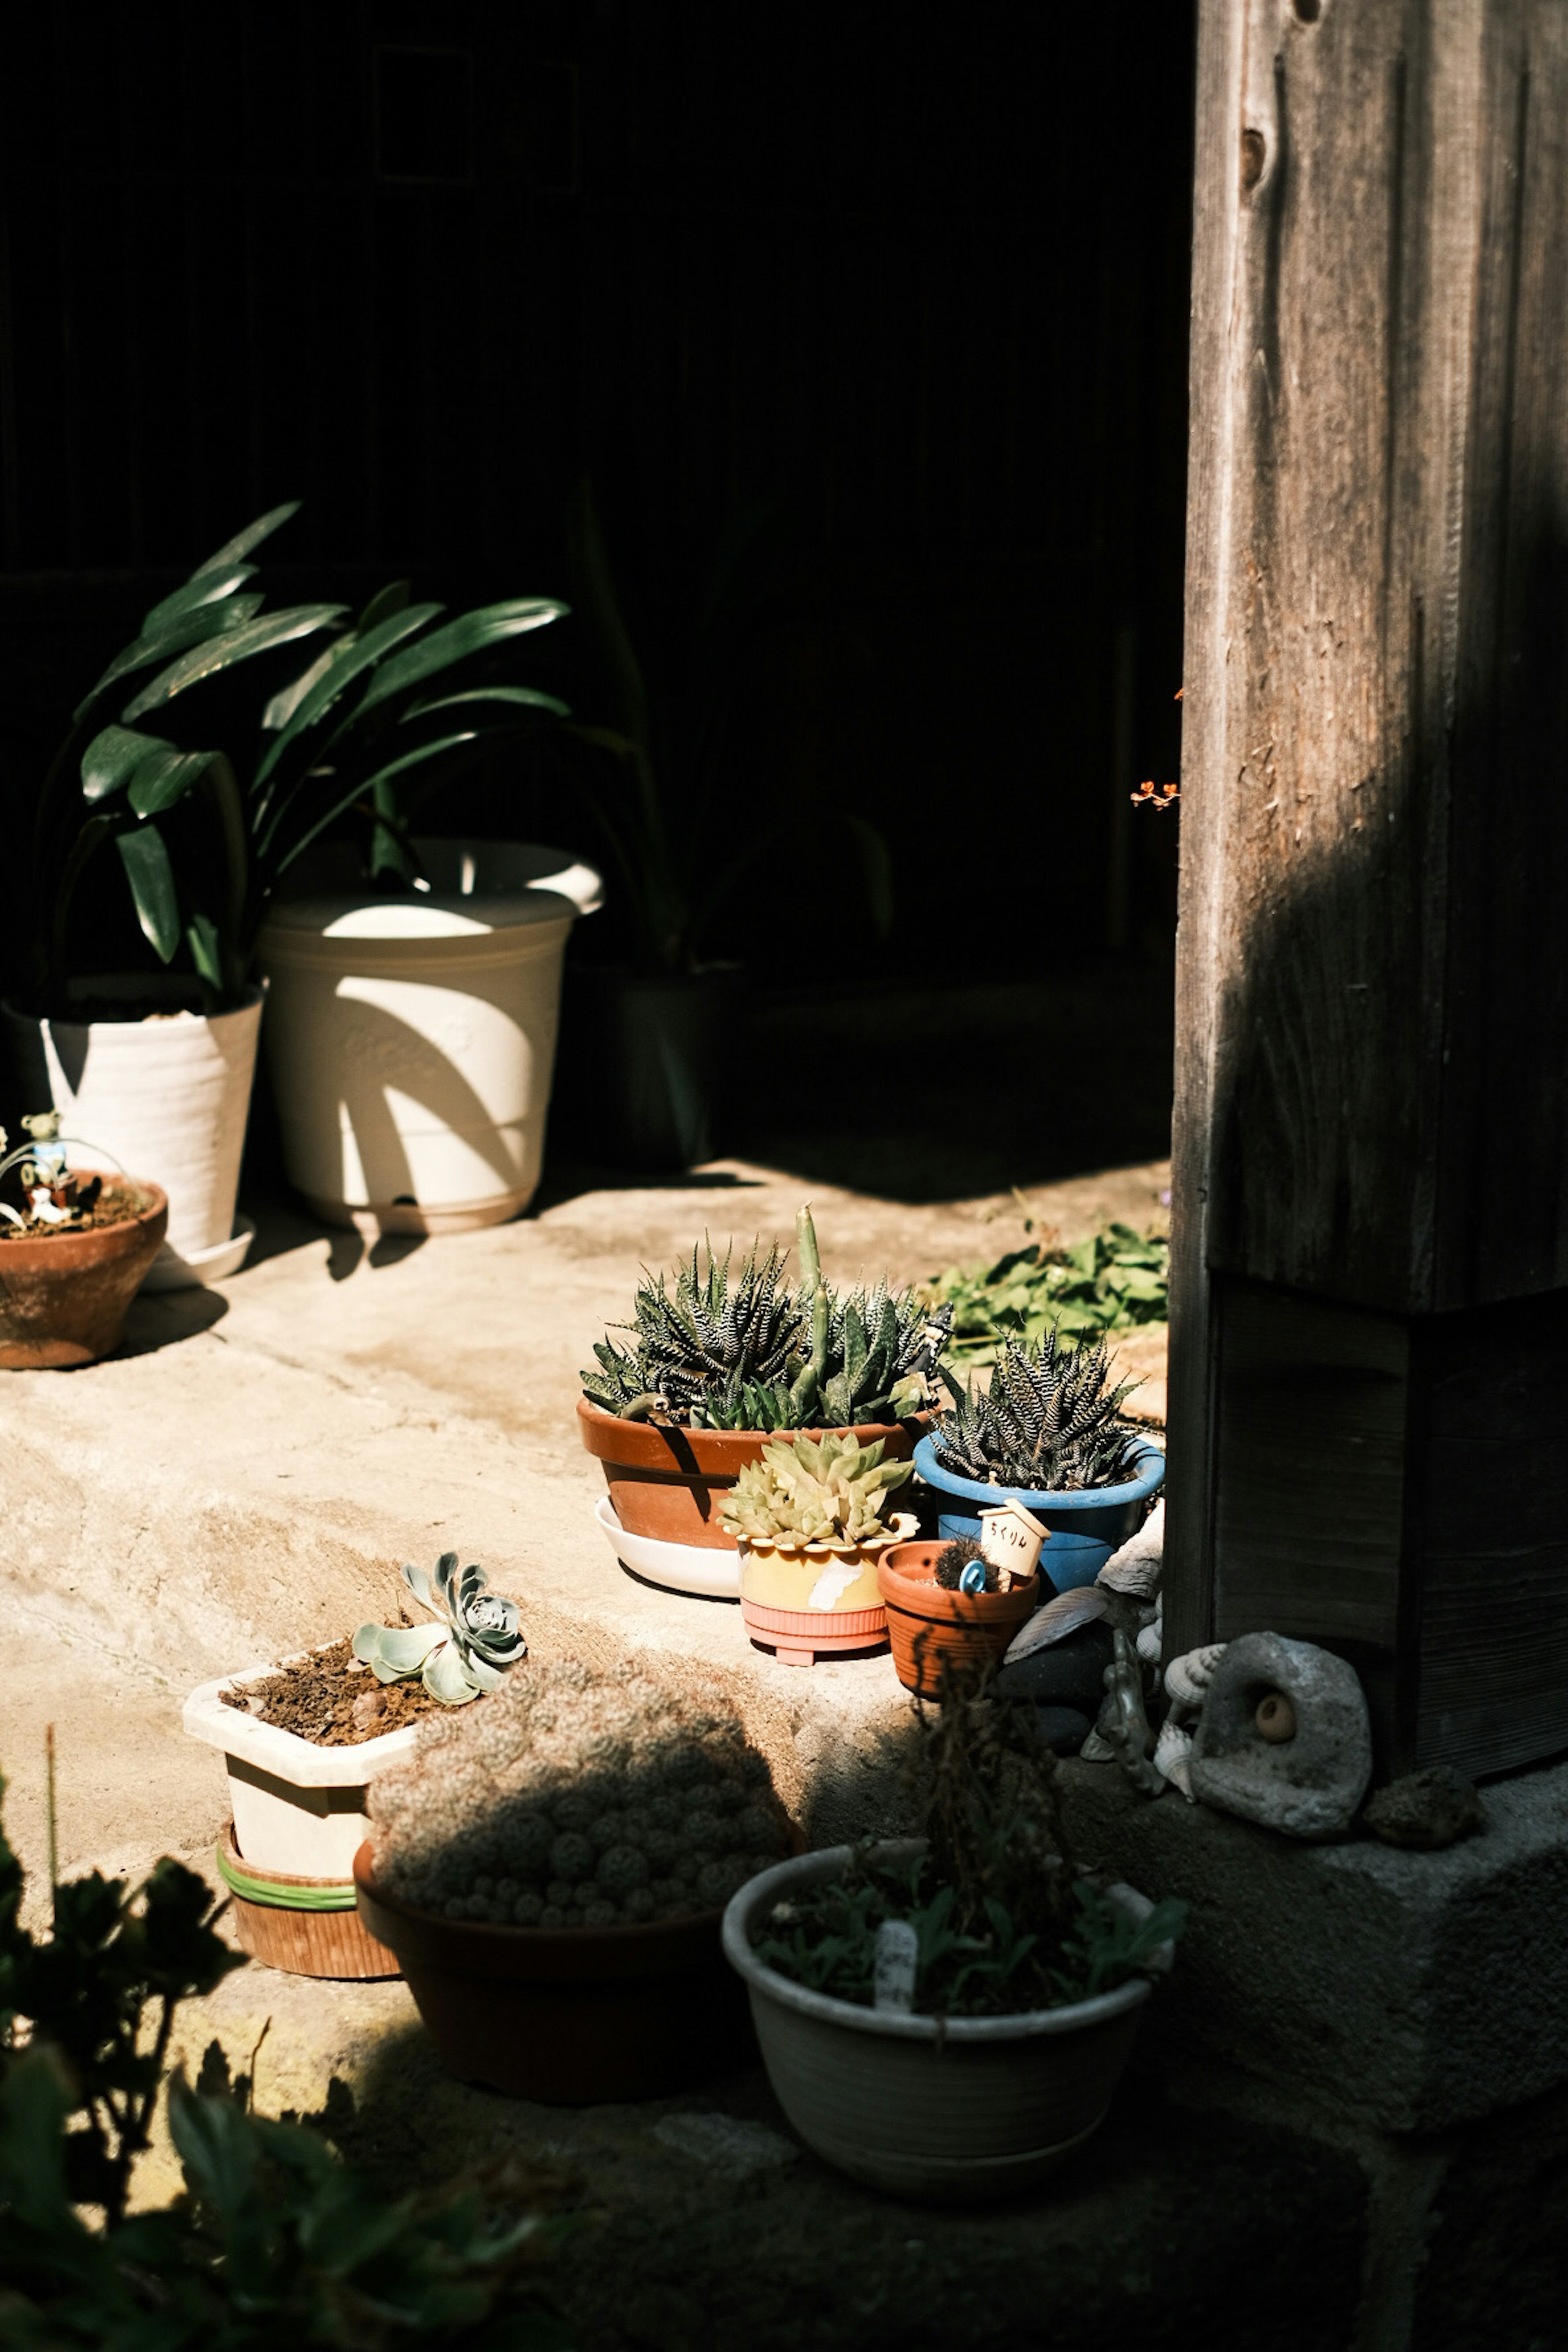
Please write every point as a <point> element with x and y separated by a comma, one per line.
<point>926,1624</point>
<point>64,1296</point>
<point>671,1482</point>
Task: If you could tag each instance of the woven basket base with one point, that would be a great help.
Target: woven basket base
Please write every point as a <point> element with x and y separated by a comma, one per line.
<point>304,1943</point>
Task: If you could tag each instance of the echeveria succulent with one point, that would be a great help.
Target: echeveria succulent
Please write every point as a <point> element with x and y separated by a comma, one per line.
<point>466,1651</point>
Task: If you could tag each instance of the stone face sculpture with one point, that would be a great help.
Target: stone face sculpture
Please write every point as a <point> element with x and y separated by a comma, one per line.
<point>1283,1739</point>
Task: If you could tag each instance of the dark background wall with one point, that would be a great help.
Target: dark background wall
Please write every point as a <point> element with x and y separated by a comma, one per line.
<point>922,276</point>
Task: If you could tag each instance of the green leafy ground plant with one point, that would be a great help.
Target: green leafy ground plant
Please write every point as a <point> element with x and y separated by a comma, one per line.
<point>274,2240</point>
<point>1111,1281</point>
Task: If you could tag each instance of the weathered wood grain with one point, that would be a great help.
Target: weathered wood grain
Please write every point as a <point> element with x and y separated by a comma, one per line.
<point>1371,1103</point>
<point>1375,688</point>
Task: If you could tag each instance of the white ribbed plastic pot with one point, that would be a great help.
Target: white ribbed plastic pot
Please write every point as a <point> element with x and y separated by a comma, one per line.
<point>412,1039</point>
<point>949,2111</point>
<point>166,1097</point>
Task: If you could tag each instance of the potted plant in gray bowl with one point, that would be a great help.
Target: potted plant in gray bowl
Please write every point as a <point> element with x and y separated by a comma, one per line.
<point>1045,1433</point>
<point>946,2017</point>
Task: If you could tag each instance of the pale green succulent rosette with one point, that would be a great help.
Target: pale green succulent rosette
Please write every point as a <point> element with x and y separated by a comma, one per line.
<point>467,1651</point>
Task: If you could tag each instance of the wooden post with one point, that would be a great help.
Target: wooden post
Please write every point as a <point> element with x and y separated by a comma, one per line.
<point>1369,1380</point>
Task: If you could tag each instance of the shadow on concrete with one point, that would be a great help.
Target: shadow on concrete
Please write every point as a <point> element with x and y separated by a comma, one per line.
<point>162,1318</point>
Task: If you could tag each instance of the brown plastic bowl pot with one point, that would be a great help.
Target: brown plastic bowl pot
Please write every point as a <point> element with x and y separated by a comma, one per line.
<point>671,1482</point>
<point>64,1297</point>
<point>926,1623</point>
<point>573,2016</point>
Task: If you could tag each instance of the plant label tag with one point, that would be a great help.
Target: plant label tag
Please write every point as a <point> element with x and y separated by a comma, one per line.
<point>1010,1538</point>
<point>898,1948</point>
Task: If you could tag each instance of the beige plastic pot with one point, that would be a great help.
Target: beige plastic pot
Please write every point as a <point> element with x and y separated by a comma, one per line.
<point>165,1098</point>
<point>412,1040</point>
<point>948,2111</point>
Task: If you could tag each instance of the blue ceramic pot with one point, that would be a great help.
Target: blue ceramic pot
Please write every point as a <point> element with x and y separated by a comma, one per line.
<point>1087,1525</point>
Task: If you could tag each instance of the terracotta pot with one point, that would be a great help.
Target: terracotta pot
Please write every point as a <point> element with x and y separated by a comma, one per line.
<point>270,1922</point>
<point>64,1296</point>
<point>671,1482</point>
<point>926,1623</point>
<point>573,2016</point>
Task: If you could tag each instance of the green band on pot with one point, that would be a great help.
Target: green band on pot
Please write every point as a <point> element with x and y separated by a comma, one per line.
<point>319,1895</point>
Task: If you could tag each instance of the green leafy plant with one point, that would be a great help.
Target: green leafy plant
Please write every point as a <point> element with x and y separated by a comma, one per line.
<point>1111,1281</point>
<point>748,1351</point>
<point>275,2241</point>
<point>827,1490</point>
<point>360,729</point>
<point>658,777</point>
<point>472,1645</point>
<point>1003,1920</point>
<point>1045,1423</point>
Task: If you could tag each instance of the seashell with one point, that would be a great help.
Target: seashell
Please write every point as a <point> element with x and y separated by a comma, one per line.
<point>1135,1568</point>
<point>1080,1606</point>
<point>1174,1758</point>
<point>1187,1678</point>
<point>1150,1636</point>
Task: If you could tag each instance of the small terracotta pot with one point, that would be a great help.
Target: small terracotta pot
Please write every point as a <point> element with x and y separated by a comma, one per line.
<point>64,1296</point>
<point>333,1943</point>
<point>926,1623</point>
<point>671,1482</point>
<point>573,2016</point>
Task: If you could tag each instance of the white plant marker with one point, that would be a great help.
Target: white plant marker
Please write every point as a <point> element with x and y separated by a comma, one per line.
<point>898,1948</point>
<point>1011,1539</point>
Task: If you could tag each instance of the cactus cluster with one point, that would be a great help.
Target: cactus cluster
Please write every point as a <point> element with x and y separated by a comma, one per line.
<point>1046,1422</point>
<point>467,1650</point>
<point>828,1490</point>
<point>578,1798</point>
<point>748,1351</point>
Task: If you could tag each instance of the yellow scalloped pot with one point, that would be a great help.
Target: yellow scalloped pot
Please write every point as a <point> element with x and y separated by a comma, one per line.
<point>813,1578</point>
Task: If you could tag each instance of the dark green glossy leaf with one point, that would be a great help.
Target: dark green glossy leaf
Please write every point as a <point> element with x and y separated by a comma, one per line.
<point>876,869</point>
<point>288,698</point>
<point>151,880</point>
<point>470,634</point>
<point>190,629</point>
<point>206,954</point>
<point>113,758</point>
<point>165,777</point>
<point>206,588</point>
<point>234,550</point>
<point>529,697</point>
<point>364,789</point>
<point>346,661</point>
<point>257,636</point>
<point>386,601</point>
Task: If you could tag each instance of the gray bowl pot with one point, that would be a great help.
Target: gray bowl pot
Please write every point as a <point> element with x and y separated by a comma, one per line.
<point>954,2111</point>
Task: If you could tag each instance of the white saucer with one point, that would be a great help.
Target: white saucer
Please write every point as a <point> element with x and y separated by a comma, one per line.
<point>178,1270</point>
<point>681,1567</point>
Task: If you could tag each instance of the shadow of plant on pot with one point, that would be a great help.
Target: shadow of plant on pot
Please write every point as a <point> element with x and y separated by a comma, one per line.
<point>75,1246</point>
<point>946,2017</point>
<point>558,1861</point>
<point>207,830</point>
